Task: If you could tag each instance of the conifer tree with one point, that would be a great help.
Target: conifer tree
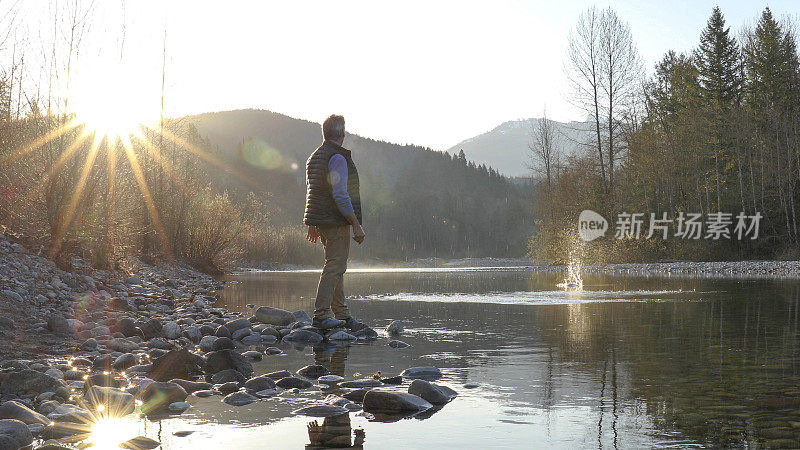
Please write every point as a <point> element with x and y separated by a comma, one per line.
<point>717,61</point>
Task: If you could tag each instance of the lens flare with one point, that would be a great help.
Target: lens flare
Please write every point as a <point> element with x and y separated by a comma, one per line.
<point>112,102</point>
<point>108,433</point>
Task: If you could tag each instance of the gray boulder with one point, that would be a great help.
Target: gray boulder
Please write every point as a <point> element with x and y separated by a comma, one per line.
<point>18,411</point>
<point>178,407</point>
<point>433,393</point>
<point>388,402</point>
<point>241,333</point>
<point>356,396</point>
<point>313,371</point>
<point>341,335</point>
<point>227,359</point>
<point>177,363</point>
<point>191,386</point>
<point>58,324</point>
<point>321,411</point>
<point>366,334</point>
<point>223,343</point>
<point>124,361</point>
<point>111,401</point>
<point>122,345</point>
<point>227,376</point>
<point>301,316</point>
<point>239,399</point>
<point>266,393</point>
<point>171,330</point>
<point>227,388</point>
<point>330,379</point>
<point>422,373</point>
<point>235,325</point>
<point>274,316</point>
<point>252,339</point>
<point>222,331</point>
<point>14,434</point>
<point>303,337</point>
<point>272,351</point>
<point>398,344</point>
<point>394,328</point>
<point>70,413</point>
<point>293,383</point>
<point>28,381</point>
<point>253,355</point>
<point>193,333</point>
<point>207,343</point>
<point>278,374</point>
<point>157,396</point>
<point>363,383</point>
<point>269,331</point>
<point>259,383</point>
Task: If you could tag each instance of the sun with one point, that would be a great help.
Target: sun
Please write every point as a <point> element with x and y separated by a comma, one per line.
<point>112,103</point>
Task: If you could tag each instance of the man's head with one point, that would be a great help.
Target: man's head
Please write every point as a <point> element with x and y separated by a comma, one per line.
<point>333,129</point>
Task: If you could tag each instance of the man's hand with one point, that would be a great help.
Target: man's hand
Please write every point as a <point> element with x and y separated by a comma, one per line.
<point>312,235</point>
<point>358,234</point>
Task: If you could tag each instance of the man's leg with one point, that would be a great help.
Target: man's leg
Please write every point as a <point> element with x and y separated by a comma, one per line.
<point>338,306</point>
<point>337,247</point>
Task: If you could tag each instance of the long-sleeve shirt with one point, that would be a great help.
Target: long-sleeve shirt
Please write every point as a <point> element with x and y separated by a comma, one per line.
<point>337,169</point>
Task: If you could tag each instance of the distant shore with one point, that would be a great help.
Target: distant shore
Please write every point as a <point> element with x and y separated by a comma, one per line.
<point>704,269</point>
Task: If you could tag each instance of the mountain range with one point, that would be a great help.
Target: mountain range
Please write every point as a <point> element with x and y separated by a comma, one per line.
<point>506,147</point>
<point>417,202</point>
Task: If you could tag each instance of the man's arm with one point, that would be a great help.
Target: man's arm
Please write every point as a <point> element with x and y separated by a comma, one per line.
<point>358,232</point>
<point>337,168</point>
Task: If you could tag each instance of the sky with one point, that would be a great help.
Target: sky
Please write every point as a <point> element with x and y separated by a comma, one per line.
<point>429,72</point>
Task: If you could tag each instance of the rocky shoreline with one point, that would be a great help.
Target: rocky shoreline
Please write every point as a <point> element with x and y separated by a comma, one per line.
<point>84,345</point>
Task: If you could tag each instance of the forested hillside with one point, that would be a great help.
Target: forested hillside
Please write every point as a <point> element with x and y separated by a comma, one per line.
<point>714,130</point>
<point>418,202</point>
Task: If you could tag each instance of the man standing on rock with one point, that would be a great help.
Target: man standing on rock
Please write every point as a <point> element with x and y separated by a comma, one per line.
<point>333,205</point>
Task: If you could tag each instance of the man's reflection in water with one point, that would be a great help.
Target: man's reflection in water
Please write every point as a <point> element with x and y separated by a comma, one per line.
<point>334,433</point>
<point>331,357</point>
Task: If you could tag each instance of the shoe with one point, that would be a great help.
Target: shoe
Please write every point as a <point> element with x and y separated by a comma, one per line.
<point>353,324</point>
<point>326,324</point>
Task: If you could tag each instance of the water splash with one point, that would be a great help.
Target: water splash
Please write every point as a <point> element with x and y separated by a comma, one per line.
<point>573,281</point>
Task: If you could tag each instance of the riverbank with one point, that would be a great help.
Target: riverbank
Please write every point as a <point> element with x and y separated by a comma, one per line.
<point>79,347</point>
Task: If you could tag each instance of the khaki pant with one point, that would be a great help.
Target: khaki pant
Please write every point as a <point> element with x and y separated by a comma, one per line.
<point>330,291</point>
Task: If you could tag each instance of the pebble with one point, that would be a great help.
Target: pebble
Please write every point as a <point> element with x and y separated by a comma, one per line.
<point>394,328</point>
<point>239,399</point>
<point>178,407</point>
<point>398,344</point>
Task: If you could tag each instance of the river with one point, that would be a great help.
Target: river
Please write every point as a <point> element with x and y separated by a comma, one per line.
<point>626,362</point>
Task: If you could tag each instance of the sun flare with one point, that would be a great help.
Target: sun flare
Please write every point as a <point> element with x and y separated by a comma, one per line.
<point>108,433</point>
<point>114,104</point>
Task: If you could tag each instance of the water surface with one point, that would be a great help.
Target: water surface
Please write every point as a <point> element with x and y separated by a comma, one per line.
<point>628,362</point>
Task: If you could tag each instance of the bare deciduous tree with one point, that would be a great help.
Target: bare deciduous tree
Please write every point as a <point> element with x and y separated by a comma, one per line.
<point>585,72</point>
<point>604,69</point>
<point>544,146</point>
<point>621,78</point>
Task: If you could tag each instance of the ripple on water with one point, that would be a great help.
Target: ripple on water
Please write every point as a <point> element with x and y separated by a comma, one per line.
<point>541,297</point>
